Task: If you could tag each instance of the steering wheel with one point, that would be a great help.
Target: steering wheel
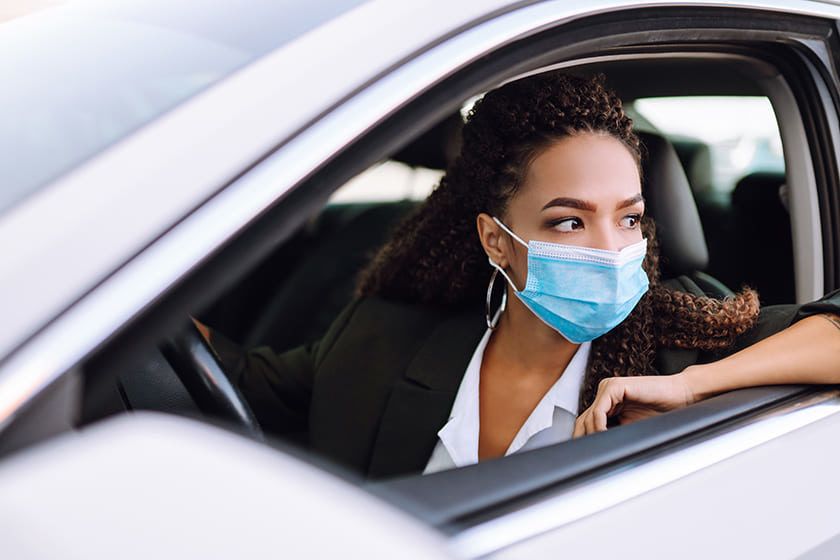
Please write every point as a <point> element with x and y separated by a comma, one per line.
<point>201,372</point>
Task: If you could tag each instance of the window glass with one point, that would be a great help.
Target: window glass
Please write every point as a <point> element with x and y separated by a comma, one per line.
<point>390,180</point>
<point>731,151</point>
<point>740,133</point>
<point>94,71</point>
<point>290,301</point>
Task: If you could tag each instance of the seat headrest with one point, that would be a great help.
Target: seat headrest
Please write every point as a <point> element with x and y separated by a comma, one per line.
<point>696,159</point>
<point>669,201</point>
<point>759,192</point>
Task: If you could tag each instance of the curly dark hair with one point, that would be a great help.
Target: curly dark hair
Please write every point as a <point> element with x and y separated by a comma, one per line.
<point>435,256</point>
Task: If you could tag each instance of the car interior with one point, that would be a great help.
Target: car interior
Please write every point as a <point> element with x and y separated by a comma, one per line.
<point>718,239</point>
<point>713,241</point>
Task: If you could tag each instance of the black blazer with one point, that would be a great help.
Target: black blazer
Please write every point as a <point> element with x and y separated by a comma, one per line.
<point>372,394</point>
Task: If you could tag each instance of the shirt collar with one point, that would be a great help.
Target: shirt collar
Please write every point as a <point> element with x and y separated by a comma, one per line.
<point>460,434</point>
<point>563,394</point>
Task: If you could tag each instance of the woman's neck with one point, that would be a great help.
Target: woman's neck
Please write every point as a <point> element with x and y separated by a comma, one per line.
<point>526,345</point>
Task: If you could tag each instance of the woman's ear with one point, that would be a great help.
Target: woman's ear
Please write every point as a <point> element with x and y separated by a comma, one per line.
<point>492,239</point>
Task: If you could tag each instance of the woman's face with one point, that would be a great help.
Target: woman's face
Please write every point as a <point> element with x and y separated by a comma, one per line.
<point>583,190</point>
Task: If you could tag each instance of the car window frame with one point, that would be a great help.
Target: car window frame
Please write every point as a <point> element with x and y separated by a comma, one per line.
<point>709,415</point>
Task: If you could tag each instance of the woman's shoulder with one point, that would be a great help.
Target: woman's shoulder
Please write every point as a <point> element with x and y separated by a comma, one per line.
<point>377,312</point>
<point>373,322</point>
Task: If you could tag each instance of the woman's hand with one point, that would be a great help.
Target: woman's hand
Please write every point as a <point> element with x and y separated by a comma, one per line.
<point>633,398</point>
<point>806,352</point>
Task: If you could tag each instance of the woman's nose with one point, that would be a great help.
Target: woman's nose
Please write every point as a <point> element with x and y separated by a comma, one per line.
<point>607,239</point>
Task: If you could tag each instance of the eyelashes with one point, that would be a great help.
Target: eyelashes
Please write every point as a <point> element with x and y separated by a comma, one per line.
<point>566,225</point>
<point>633,221</point>
<point>571,224</point>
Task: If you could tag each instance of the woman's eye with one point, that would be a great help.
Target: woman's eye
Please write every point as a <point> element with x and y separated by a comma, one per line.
<point>568,224</point>
<point>631,221</point>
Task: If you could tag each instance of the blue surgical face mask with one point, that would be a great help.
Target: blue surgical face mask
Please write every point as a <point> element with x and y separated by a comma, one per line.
<point>581,292</point>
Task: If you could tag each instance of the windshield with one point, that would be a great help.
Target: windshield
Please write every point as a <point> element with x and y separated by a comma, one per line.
<point>80,76</point>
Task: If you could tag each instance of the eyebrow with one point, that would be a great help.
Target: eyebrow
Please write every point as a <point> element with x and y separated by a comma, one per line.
<point>571,203</point>
<point>589,206</point>
<point>630,201</point>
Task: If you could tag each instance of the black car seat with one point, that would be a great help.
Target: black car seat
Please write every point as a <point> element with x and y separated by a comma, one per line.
<point>696,158</point>
<point>316,288</point>
<point>341,241</point>
<point>714,207</point>
<point>669,200</point>
<point>763,239</point>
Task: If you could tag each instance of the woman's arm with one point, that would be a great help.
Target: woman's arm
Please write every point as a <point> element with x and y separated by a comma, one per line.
<point>806,352</point>
<point>277,386</point>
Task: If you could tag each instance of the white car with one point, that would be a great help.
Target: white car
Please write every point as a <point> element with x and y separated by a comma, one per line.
<point>239,161</point>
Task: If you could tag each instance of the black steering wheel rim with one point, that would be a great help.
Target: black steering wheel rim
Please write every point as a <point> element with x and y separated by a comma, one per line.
<point>204,377</point>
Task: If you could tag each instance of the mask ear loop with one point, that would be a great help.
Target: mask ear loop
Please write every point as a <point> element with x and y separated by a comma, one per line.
<point>504,227</point>
<point>493,321</point>
<point>499,268</point>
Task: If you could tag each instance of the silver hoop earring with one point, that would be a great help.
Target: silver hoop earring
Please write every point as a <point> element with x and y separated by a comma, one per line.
<point>493,320</point>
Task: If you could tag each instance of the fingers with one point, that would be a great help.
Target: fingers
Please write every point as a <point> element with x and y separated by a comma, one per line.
<point>587,424</point>
<point>579,430</point>
<point>606,403</point>
<point>599,421</point>
<point>580,424</point>
<point>631,399</point>
<point>602,406</point>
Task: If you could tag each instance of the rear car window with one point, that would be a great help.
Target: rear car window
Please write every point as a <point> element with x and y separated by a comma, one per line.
<point>734,136</point>
<point>731,150</point>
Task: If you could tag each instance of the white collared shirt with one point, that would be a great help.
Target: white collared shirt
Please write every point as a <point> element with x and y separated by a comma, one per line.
<point>551,421</point>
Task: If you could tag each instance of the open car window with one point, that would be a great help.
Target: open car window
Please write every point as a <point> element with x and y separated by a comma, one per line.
<point>731,151</point>
<point>737,136</point>
<point>297,292</point>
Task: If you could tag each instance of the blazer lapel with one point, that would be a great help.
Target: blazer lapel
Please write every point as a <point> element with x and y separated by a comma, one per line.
<point>421,400</point>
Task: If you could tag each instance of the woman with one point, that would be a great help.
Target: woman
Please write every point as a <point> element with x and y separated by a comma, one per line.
<point>545,197</point>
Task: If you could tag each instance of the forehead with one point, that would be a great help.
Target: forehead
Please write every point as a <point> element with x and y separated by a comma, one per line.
<point>589,166</point>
